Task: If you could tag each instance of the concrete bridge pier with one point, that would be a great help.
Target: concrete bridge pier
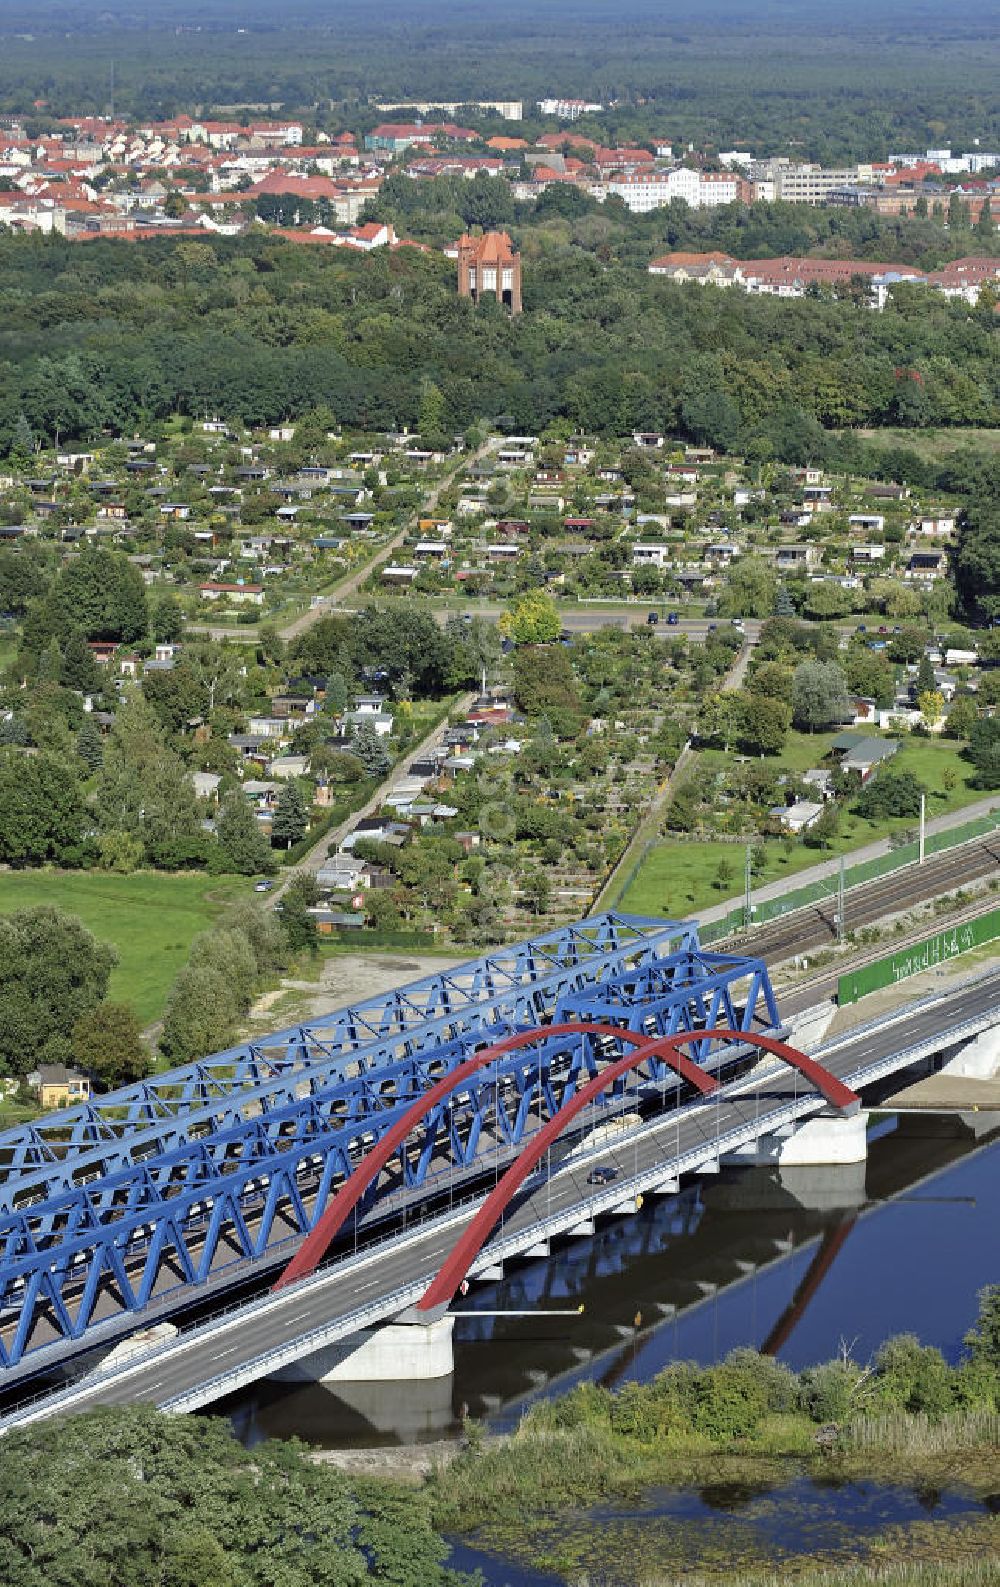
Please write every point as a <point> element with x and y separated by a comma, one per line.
<point>396,1352</point>
<point>828,1138</point>
<point>820,1162</point>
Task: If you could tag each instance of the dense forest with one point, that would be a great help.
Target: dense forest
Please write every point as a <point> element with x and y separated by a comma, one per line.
<point>109,337</point>
<point>825,82</point>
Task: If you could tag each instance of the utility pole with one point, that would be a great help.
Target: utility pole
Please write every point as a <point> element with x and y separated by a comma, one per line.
<point>923,827</point>
<point>748,888</point>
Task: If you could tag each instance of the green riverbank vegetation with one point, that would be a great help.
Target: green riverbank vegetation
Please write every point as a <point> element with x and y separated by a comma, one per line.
<point>907,1416</point>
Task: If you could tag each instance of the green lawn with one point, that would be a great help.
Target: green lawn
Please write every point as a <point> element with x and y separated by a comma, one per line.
<point>934,444</point>
<point>681,877</point>
<point>150,918</point>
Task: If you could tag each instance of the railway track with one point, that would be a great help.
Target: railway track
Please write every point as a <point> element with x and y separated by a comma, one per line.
<point>815,926</point>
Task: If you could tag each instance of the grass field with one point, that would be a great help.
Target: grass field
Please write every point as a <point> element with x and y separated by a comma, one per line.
<point>150,918</point>
<point>933,444</point>
<point>679,877</point>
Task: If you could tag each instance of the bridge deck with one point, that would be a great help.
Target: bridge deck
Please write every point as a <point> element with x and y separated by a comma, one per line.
<point>230,1351</point>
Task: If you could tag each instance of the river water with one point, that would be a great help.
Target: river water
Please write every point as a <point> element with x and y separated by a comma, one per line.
<point>744,1526</point>
<point>794,1262</point>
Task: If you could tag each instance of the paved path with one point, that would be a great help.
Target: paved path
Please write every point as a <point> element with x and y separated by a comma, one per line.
<point>315,858</point>
<point>345,591</point>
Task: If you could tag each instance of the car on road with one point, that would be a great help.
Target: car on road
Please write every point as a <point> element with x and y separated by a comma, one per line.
<point>263,886</point>
<point>673,619</point>
<point>653,619</point>
<point>603,1174</point>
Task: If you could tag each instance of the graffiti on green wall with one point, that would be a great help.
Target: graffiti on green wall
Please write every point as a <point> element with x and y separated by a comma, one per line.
<point>926,955</point>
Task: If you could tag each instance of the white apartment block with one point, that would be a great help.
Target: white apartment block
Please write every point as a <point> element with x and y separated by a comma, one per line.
<point>567,109</point>
<point>507,109</point>
<point>642,191</point>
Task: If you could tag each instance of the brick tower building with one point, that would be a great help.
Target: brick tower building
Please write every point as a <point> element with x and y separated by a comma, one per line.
<point>488,266</point>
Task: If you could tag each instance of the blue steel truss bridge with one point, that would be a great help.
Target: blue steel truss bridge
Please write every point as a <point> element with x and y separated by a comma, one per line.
<point>339,1144</point>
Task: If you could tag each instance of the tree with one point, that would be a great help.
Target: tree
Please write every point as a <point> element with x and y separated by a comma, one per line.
<point>926,682</point>
<point>230,954</point>
<point>819,695</point>
<point>131,1496</point>
<point>723,874</point>
<point>42,815</point>
<point>824,829</point>
<point>88,744</point>
<point>537,888</point>
<point>544,685</point>
<point>962,718</point>
<point>750,590</point>
<point>244,847</point>
<point>102,593</point>
<point>108,1044</point>
<point>120,852</point>
<point>890,794</point>
<point>52,972</point>
<point>533,619</point>
<point>145,789</point>
<point>368,748</point>
<point>984,752</point>
<point>22,446</point>
<point>167,619</point>
<point>79,669</point>
<point>763,724</point>
<point>291,818</point>
<point>301,895</point>
<point>200,1016</point>
<point>930,703</point>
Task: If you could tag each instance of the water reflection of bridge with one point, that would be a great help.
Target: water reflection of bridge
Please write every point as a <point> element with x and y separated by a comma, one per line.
<point>681,1258</point>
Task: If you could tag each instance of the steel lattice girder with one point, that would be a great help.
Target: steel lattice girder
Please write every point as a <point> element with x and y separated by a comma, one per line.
<point>686,991</point>
<point>242,1082</point>
<point>228,1199</point>
<point>158,1246</point>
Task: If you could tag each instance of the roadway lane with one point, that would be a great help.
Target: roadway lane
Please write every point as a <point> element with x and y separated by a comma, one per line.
<point>395,1277</point>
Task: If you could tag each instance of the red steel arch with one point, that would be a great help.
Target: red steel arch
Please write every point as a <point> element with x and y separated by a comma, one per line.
<point>829,1087</point>
<point>314,1246</point>
<point>442,1288</point>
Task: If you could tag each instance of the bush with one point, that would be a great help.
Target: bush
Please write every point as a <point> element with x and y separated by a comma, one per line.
<point>777,1382</point>
<point>825,1392</point>
<point>890,794</point>
<point>732,1400</point>
<point>983,1340</point>
<point>913,1377</point>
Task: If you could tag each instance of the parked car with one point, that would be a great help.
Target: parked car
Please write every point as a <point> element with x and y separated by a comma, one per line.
<point>263,886</point>
<point>604,1174</point>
